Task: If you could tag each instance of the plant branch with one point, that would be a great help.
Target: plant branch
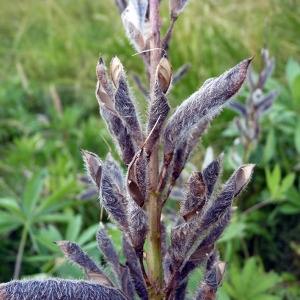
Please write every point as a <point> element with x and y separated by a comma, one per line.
<point>20,252</point>
<point>154,39</point>
<point>168,36</point>
<point>256,206</point>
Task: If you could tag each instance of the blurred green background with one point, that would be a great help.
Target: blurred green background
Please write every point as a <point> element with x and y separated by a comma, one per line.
<point>48,52</point>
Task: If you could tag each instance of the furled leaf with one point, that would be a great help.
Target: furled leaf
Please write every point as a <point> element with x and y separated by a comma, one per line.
<point>93,165</point>
<point>177,6</point>
<point>212,173</point>
<point>136,178</point>
<point>74,253</point>
<point>195,197</point>
<point>124,104</point>
<point>135,270</point>
<point>203,105</point>
<point>159,107</point>
<point>58,289</point>
<point>113,200</point>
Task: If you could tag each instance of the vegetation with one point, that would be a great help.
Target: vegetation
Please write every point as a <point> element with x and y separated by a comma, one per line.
<point>48,113</point>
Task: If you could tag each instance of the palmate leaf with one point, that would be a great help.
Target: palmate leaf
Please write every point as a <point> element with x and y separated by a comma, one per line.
<point>33,192</point>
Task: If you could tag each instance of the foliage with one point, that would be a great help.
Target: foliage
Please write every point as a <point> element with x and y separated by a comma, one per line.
<point>251,282</point>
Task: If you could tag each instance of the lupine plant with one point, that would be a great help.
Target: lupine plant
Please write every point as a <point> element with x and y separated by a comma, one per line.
<point>256,106</point>
<point>158,263</point>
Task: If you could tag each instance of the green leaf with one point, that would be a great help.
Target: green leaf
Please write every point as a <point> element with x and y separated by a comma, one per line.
<point>59,217</point>
<point>12,205</point>
<point>297,136</point>
<point>287,182</point>
<point>33,192</point>
<point>8,218</point>
<point>273,180</point>
<point>264,282</point>
<point>233,231</point>
<point>292,70</point>
<point>8,227</point>
<point>270,146</point>
<point>295,89</point>
<point>236,280</point>
<point>47,238</point>
<point>73,228</point>
<point>289,208</point>
<point>56,197</point>
<point>248,273</point>
<point>293,196</point>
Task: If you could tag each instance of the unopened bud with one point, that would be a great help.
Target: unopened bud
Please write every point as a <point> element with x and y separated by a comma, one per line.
<point>164,74</point>
<point>115,70</point>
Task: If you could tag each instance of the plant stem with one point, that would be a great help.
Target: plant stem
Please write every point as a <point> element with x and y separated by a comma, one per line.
<point>154,256</point>
<point>20,252</point>
<point>256,206</point>
<point>154,39</point>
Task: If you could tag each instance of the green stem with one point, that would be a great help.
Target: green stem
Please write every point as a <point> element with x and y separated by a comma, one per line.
<point>154,256</point>
<point>20,252</point>
<point>154,207</point>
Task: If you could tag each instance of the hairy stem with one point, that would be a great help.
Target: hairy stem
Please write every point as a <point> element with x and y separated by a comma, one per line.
<point>154,256</point>
<point>20,252</point>
<point>155,55</point>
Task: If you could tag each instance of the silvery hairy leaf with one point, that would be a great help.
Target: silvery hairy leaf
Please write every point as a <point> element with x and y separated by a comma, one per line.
<point>122,272</point>
<point>136,178</point>
<point>184,149</point>
<point>266,102</point>
<point>136,11</point>
<point>105,83</point>
<point>93,165</point>
<point>233,187</point>
<point>177,6</point>
<point>239,107</point>
<point>133,264</point>
<point>138,227</point>
<point>74,253</point>
<point>134,35</point>
<point>195,197</point>
<point>207,244</point>
<point>213,278</point>
<point>107,248</point>
<point>267,72</point>
<point>121,5</point>
<point>115,171</point>
<point>124,104</point>
<point>251,79</point>
<point>58,289</point>
<point>159,107</point>
<point>113,121</point>
<point>212,173</point>
<point>186,237</point>
<point>203,105</point>
<point>113,199</point>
